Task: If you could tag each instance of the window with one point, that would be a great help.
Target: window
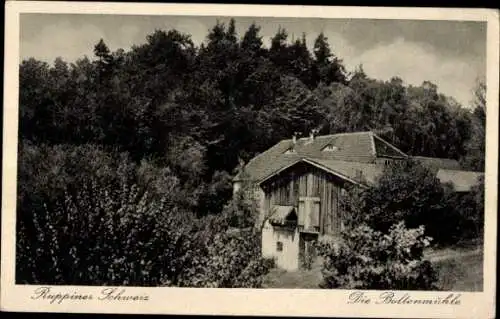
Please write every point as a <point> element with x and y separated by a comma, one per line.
<point>330,148</point>
<point>279,246</point>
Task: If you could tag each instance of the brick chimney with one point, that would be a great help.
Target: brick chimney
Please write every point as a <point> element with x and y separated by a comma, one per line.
<point>312,134</point>
<point>294,137</point>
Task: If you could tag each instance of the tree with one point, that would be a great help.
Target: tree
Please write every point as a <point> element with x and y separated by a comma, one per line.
<point>327,67</point>
<point>278,50</point>
<point>349,108</point>
<point>105,59</point>
<point>300,62</point>
<point>35,115</point>
<point>252,41</point>
<point>296,109</point>
<point>406,192</point>
<point>322,51</point>
<point>475,146</point>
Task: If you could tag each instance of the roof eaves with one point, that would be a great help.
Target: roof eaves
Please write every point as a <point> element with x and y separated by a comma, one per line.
<point>258,156</point>
<point>312,162</point>
<point>262,180</point>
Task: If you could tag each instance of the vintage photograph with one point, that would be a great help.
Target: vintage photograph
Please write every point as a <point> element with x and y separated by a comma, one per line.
<point>223,151</point>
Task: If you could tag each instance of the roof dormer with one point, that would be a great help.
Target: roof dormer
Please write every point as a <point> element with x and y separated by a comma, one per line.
<point>330,148</point>
<point>291,150</point>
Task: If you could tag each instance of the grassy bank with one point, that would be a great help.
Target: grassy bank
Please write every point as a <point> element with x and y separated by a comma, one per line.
<point>459,268</point>
<point>459,271</point>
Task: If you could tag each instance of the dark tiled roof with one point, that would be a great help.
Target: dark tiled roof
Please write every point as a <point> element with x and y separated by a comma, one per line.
<point>264,165</point>
<point>436,163</point>
<point>351,147</point>
<point>369,172</point>
<point>353,158</point>
<point>462,181</point>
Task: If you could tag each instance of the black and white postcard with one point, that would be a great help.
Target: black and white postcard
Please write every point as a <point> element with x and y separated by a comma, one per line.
<point>250,160</point>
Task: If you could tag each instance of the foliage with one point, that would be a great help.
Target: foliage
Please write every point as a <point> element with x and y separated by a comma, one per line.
<point>168,89</point>
<point>242,210</point>
<point>164,115</point>
<point>476,145</point>
<point>233,260</point>
<point>466,212</point>
<point>47,171</point>
<point>410,192</point>
<point>117,222</point>
<point>369,259</point>
<point>104,235</point>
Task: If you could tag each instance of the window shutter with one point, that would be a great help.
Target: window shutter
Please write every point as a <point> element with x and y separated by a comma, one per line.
<point>314,214</point>
<point>309,208</point>
<point>302,212</point>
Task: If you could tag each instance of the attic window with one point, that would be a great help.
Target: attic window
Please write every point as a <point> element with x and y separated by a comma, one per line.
<point>330,148</point>
<point>290,151</point>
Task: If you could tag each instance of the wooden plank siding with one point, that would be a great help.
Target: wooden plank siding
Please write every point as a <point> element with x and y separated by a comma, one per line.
<point>304,180</point>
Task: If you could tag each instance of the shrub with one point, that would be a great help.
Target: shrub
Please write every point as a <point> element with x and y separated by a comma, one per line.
<point>412,193</point>
<point>215,193</point>
<point>93,217</point>
<point>367,259</point>
<point>465,213</point>
<point>106,236</point>
<point>232,254</point>
<point>233,260</point>
<point>241,211</point>
<point>409,192</point>
<point>86,216</point>
<point>101,235</point>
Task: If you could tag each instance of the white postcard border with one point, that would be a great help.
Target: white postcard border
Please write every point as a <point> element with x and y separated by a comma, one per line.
<point>280,302</point>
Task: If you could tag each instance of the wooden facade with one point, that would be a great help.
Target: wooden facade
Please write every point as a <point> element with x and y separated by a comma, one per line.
<point>302,184</point>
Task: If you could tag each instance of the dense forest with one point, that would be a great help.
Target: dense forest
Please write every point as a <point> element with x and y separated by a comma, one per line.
<point>168,123</point>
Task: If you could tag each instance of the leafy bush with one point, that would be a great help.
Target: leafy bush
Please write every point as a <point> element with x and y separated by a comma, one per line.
<point>413,194</point>
<point>233,259</point>
<point>409,192</point>
<point>120,223</point>
<point>367,259</point>
<point>101,235</point>
<point>215,193</point>
<point>465,219</point>
<point>125,237</point>
<point>241,211</point>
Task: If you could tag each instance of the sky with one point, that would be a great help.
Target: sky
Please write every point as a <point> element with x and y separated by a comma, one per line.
<point>451,54</point>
